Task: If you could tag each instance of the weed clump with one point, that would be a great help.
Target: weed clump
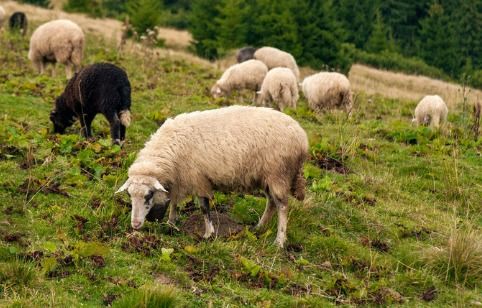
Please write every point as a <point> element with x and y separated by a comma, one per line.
<point>148,297</point>
<point>16,274</point>
<point>459,259</point>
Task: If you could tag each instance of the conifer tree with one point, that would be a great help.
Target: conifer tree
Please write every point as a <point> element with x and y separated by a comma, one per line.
<point>437,41</point>
<point>204,27</point>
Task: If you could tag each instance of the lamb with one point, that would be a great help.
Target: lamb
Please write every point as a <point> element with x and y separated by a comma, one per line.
<point>18,22</point>
<point>279,86</point>
<point>274,57</point>
<point>98,88</point>
<point>327,90</point>
<point>236,148</point>
<point>246,75</point>
<point>431,110</point>
<point>57,41</point>
<point>245,54</point>
<point>3,14</point>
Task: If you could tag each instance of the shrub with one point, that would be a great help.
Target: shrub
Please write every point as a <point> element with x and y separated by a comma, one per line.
<point>144,14</point>
<point>93,8</point>
<point>43,3</point>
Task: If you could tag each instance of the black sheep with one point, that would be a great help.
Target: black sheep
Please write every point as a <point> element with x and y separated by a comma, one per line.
<point>98,88</point>
<point>245,54</point>
<point>18,22</point>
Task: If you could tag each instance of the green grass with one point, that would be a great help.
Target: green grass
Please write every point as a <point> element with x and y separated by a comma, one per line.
<point>364,236</point>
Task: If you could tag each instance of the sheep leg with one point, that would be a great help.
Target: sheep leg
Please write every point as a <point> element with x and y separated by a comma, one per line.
<point>68,70</point>
<point>268,212</point>
<point>172,214</point>
<point>114,128</point>
<point>282,205</point>
<point>122,132</point>
<point>85,125</point>
<point>208,224</point>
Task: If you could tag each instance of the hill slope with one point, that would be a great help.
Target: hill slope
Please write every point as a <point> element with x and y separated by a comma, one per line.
<point>384,198</point>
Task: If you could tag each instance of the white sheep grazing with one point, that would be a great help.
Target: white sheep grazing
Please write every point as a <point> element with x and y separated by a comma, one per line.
<point>279,86</point>
<point>57,41</point>
<point>246,75</point>
<point>236,148</point>
<point>274,57</point>
<point>431,110</point>
<point>2,16</point>
<point>327,90</point>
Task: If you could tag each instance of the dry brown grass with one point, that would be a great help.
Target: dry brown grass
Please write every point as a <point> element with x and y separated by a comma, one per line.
<point>403,86</point>
<point>175,39</point>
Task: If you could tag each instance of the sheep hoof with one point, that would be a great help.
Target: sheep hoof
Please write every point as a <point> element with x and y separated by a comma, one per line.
<point>279,242</point>
<point>118,142</point>
<point>209,231</point>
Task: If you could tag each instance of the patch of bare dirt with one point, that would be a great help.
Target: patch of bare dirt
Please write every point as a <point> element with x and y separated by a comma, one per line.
<point>331,164</point>
<point>376,244</point>
<point>137,242</point>
<point>429,295</point>
<point>224,226</point>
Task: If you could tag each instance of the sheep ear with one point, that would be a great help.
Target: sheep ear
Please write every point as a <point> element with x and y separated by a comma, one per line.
<point>258,92</point>
<point>159,186</point>
<point>124,187</point>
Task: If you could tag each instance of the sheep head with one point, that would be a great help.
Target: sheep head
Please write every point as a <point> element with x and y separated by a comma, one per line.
<point>217,91</point>
<point>61,116</point>
<point>146,193</point>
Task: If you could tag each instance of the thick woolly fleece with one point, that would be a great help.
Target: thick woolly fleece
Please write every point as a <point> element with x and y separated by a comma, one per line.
<point>3,16</point>
<point>57,41</point>
<point>280,87</point>
<point>98,88</point>
<point>431,110</point>
<point>236,148</point>
<point>274,57</point>
<point>327,90</point>
<point>247,75</point>
<point>18,22</point>
<point>245,54</point>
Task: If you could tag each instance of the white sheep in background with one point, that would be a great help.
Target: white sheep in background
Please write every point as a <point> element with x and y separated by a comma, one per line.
<point>431,110</point>
<point>246,75</point>
<point>279,86</point>
<point>3,16</point>
<point>274,57</point>
<point>327,90</point>
<point>57,41</point>
<point>237,148</point>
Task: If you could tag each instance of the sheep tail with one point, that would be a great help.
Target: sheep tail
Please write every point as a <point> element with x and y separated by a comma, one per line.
<point>125,117</point>
<point>298,187</point>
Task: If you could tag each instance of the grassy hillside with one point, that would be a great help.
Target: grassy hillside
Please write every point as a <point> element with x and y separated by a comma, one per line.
<point>393,213</point>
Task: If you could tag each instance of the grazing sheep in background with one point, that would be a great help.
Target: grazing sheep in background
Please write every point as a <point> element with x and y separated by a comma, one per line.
<point>279,86</point>
<point>245,54</point>
<point>431,110</point>
<point>327,90</point>
<point>98,88</point>
<point>18,22</point>
<point>2,16</point>
<point>237,148</point>
<point>246,75</point>
<point>57,41</point>
<point>274,57</point>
